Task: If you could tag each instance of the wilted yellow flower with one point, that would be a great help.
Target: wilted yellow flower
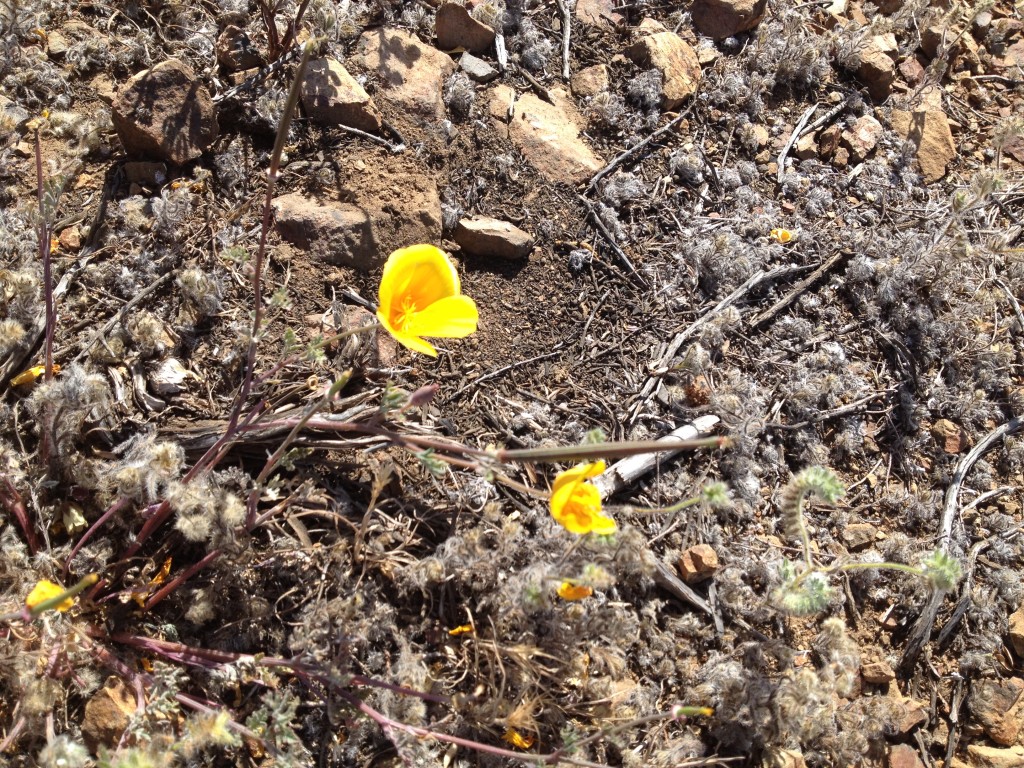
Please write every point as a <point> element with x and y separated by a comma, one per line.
<point>420,296</point>
<point>46,590</point>
<point>781,235</point>
<point>517,740</point>
<point>576,504</point>
<point>569,591</point>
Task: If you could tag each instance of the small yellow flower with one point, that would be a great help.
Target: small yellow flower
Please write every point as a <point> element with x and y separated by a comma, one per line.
<point>576,504</point>
<point>420,295</point>
<point>569,591</point>
<point>463,629</point>
<point>46,590</point>
<point>781,235</point>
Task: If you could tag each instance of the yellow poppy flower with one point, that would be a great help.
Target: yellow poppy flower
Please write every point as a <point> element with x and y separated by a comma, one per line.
<point>420,296</point>
<point>576,504</point>
<point>569,591</point>
<point>781,235</point>
<point>47,590</point>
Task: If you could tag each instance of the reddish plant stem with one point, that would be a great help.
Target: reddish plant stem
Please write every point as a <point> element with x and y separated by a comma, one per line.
<point>11,500</point>
<point>181,578</point>
<point>112,510</point>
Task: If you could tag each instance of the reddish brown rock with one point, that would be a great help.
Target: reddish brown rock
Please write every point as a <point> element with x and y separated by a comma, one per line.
<point>998,705</point>
<point>484,236</point>
<point>340,233</point>
<point>236,51</point>
<point>107,714</point>
<point>725,18</point>
<point>331,96</point>
<point>877,673</point>
<point>903,756</point>
<point>676,61</point>
<point>862,137</point>
<point>698,563</point>
<point>166,112</point>
<point>878,64</point>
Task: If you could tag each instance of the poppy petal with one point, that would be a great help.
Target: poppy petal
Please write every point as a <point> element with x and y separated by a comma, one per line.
<point>450,318</point>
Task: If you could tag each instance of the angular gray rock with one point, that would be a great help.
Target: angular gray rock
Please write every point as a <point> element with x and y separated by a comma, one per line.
<point>165,112</point>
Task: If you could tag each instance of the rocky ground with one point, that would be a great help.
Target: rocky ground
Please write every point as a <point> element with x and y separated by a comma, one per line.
<point>796,225</point>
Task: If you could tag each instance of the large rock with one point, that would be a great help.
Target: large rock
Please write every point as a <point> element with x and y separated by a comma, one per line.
<point>484,236</point>
<point>980,756</point>
<point>999,706</point>
<point>165,112</point>
<point>928,130</point>
<point>339,232</point>
<point>331,96</point>
<point>413,73</point>
<point>725,18</point>
<point>676,61</point>
<point>598,13</point>
<point>547,135</point>
<point>455,28</point>
<point>1016,636</point>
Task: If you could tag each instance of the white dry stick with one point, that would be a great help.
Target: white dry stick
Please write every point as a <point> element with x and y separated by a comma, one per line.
<point>499,50</point>
<point>565,6</point>
<point>792,140</point>
<point>624,473</point>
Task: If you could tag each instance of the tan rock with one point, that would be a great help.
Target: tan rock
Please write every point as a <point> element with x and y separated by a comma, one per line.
<point>590,81</point>
<point>167,112</point>
<point>107,714</point>
<point>455,28</point>
<point>331,96</point>
<point>862,137</point>
<point>806,147</point>
<point>828,140</point>
<point>903,756</point>
<point>548,136</point>
<point>413,73</point>
<point>676,61</point>
<point>484,236</point>
<point>980,756</point>
<point>878,64</point>
<point>1016,634</point>
<point>698,563</point>
<point>649,26</point>
<point>56,45</point>
<point>725,18</point>
<point>878,673</point>
<point>929,131</point>
<point>598,13</point>
<point>776,757</point>
<point>859,535</point>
